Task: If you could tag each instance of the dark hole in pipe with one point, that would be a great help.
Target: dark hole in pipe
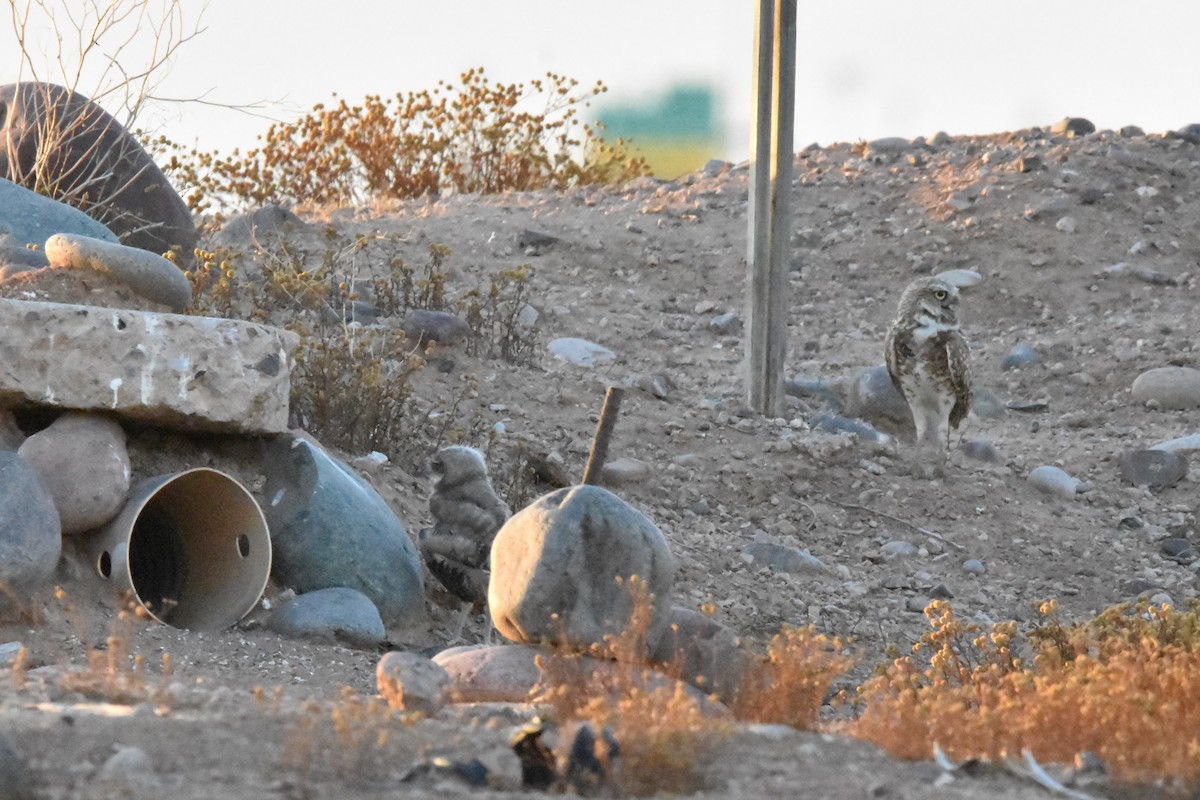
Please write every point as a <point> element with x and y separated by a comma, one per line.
<point>157,562</point>
<point>243,543</point>
<point>104,565</point>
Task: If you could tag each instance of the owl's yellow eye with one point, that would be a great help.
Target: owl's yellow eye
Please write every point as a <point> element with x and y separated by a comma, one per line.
<point>940,294</point>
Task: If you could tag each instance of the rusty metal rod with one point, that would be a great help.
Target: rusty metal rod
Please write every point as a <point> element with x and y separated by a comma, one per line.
<point>604,430</point>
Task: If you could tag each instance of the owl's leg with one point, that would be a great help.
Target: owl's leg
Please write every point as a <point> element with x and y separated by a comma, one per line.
<point>462,621</point>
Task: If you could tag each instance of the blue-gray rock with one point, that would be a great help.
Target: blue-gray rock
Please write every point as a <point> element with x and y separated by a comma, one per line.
<point>1184,444</point>
<point>780,558</point>
<point>1168,387</point>
<point>815,388</point>
<point>1053,480</point>
<point>336,614</point>
<point>1154,468</point>
<point>581,352</point>
<point>888,145</point>
<point>1073,126</point>
<point>898,548</point>
<point>974,566</point>
<point>424,326</point>
<point>623,471</point>
<point>330,528</point>
<point>1189,133</point>
<point>981,450</point>
<point>264,224</point>
<point>1021,355</point>
<point>99,167</point>
<point>874,397</point>
<point>30,533</point>
<point>15,259</point>
<point>961,278</point>
<point>985,404</point>
<point>726,324</point>
<point>150,275</point>
<point>83,463</point>
<point>28,218</point>
<point>1178,549</point>
<point>562,569</point>
<point>832,423</point>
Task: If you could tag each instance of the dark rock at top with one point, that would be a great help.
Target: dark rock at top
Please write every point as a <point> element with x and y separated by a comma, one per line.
<point>1073,126</point>
<point>94,164</point>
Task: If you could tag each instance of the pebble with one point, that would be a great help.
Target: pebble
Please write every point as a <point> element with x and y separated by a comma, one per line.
<point>1183,443</point>
<point>898,548</point>
<point>726,324</point>
<point>1066,225</point>
<point>781,558</point>
<point>423,325</point>
<point>146,273</point>
<point>832,423</point>
<point>1073,126</point>
<point>581,352</point>
<point>1020,355</point>
<point>624,471</point>
<point>658,385</point>
<point>961,278</point>
<point>1178,549</point>
<point>981,450</point>
<point>873,397</point>
<point>1054,480</point>
<point>974,566</point>
<point>411,682</point>
<point>1154,468</point>
<point>128,763</point>
<point>985,404</point>
<point>1168,387</point>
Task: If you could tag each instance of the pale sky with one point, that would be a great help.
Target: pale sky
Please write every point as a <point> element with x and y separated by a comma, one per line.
<point>866,69</point>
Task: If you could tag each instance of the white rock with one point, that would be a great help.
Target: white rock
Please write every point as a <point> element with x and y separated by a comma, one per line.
<point>581,352</point>
<point>1169,387</point>
<point>1053,480</point>
<point>1183,443</point>
<point>411,682</point>
<point>961,278</point>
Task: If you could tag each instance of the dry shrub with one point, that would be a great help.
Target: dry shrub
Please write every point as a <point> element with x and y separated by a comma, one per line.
<point>666,735</point>
<point>477,136</point>
<point>1125,686</point>
<point>351,739</point>
<point>116,674</point>
<point>495,317</point>
<point>791,682</point>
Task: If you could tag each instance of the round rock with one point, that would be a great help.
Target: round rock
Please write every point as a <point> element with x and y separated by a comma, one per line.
<point>336,614</point>
<point>82,461</point>
<point>1154,468</point>
<point>411,682</point>
<point>30,532</point>
<point>561,569</point>
<point>874,397</point>
<point>504,673</point>
<point>423,325</point>
<point>1021,355</point>
<point>1053,480</point>
<point>702,652</point>
<point>150,275</point>
<point>1168,387</point>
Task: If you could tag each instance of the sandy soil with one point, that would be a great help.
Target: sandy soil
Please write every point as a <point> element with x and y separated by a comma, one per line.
<point>642,269</point>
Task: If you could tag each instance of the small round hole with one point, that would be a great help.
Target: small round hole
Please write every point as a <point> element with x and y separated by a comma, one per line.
<point>243,543</point>
<point>104,565</point>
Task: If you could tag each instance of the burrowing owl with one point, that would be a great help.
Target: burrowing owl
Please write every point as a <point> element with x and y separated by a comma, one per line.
<point>927,358</point>
<point>466,515</point>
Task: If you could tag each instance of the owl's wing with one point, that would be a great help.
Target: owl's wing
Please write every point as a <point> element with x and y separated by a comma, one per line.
<point>958,360</point>
<point>894,354</point>
<point>468,515</point>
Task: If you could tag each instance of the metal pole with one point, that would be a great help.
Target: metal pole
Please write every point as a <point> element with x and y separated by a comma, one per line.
<point>770,201</point>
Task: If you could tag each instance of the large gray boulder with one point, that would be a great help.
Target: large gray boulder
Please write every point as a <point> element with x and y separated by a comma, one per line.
<point>561,569</point>
<point>874,397</point>
<point>59,143</point>
<point>1168,387</point>
<point>27,217</point>
<point>30,534</point>
<point>329,527</point>
<point>82,461</point>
